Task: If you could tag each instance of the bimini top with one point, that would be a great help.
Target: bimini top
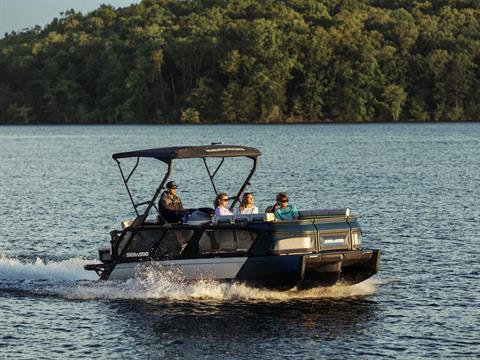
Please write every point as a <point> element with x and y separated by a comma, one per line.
<point>187,152</point>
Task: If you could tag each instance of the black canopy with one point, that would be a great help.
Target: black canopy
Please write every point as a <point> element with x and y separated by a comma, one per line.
<point>187,152</point>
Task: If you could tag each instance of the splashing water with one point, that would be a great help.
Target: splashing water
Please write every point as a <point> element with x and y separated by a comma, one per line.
<point>39,269</point>
<point>170,285</point>
<point>68,279</point>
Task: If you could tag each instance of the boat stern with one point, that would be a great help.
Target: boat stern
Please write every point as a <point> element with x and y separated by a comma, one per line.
<point>349,267</point>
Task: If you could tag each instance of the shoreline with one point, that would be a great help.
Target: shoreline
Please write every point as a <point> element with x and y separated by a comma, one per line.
<point>248,123</point>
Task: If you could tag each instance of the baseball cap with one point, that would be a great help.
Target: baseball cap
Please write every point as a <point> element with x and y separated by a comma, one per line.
<point>171,185</point>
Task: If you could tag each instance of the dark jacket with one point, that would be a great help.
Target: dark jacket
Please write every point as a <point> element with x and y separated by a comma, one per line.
<point>170,202</point>
<point>171,207</point>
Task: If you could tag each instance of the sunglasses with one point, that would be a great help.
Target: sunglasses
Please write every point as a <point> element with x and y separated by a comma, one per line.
<point>284,200</point>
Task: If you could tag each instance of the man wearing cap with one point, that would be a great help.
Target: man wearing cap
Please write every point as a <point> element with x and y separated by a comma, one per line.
<point>170,205</point>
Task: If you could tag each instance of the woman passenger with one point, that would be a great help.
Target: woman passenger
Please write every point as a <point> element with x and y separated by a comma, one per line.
<point>220,205</point>
<point>246,205</point>
<point>284,211</point>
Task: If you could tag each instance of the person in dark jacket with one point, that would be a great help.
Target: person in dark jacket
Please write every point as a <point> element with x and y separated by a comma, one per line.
<point>170,205</point>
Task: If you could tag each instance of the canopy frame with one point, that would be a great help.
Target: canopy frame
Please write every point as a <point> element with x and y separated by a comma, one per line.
<point>167,155</point>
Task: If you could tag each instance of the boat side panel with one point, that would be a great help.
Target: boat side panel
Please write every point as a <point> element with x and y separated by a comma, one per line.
<point>279,272</point>
<point>192,269</point>
<point>265,270</point>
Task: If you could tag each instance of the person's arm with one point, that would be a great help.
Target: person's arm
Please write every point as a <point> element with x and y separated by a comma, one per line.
<point>277,215</point>
<point>165,203</point>
<point>221,211</point>
<point>180,205</point>
<point>295,214</point>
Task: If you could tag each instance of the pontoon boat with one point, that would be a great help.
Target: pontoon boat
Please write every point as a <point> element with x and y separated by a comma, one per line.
<point>320,248</point>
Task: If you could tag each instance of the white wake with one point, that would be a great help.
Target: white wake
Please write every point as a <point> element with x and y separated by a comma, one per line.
<point>67,278</point>
<point>64,270</point>
<point>156,284</point>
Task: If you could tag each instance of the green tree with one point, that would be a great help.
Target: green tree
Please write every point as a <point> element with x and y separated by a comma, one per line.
<point>246,61</point>
<point>190,116</point>
<point>394,98</point>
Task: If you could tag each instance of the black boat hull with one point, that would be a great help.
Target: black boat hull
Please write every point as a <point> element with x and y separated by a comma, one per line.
<point>272,272</point>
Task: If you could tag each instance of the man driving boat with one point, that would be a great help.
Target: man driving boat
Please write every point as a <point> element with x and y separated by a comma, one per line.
<point>170,205</point>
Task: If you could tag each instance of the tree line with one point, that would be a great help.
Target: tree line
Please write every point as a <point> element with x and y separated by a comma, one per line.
<point>246,61</point>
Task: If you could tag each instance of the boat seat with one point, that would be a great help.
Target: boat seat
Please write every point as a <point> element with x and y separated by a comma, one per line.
<point>249,218</point>
<point>223,219</point>
<point>242,218</point>
<point>324,212</point>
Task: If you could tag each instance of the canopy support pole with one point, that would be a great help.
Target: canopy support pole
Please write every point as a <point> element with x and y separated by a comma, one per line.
<point>125,181</point>
<point>245,184</point>
<point>139,220</point>
<point>210,175</point>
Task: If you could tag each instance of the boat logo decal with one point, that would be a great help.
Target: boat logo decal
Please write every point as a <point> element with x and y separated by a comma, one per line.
<point>334,241</point>
<point>137,254</point>
<point>224,149</point>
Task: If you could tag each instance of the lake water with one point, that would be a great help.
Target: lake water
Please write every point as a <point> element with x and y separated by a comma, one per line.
<point>416,187</point>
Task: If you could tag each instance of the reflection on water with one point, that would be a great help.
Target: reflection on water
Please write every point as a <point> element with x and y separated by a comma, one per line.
<point>240,329</point>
